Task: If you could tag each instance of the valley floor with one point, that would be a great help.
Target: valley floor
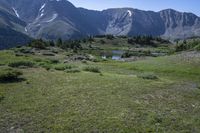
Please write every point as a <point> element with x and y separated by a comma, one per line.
<point>122,98</point>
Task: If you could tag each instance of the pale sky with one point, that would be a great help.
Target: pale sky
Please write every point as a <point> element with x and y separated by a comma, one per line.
<point>154,5</point>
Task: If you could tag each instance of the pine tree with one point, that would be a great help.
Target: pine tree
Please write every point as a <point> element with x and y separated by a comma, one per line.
<point>59,42</point>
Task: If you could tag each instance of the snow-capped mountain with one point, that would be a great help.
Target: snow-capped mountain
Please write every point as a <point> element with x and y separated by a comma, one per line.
<point>51,19</point>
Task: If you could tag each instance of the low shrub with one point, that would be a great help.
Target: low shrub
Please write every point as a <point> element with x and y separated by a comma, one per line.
<point>19,54</point>
<point>21,64</point>
<point>197,47</point>
<point>110,37</point>
<point>84,61</point>
<point>102,41</point>
<point>62,67</point>
<point>188,45</point>
<point>198,87</point>
<point>25,50</point>
<point>2,64</point>
<point>92,69</point>
<point>48,54</point>
<point>149,76</point>
<point>101,74</point>
<point>129,54</point>
<point>96,60</point>
<point>9,75</point>
<point>38,43</point>
<point>72,71</point>
<point>38,60</point>
<point>45,65</point>
<point>54,61</point>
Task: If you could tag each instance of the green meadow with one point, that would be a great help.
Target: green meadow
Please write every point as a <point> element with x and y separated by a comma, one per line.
<point>156,94</point>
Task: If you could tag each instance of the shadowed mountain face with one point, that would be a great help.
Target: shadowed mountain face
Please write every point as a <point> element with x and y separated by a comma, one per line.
<point>51,19</point>
<point>11,28</point>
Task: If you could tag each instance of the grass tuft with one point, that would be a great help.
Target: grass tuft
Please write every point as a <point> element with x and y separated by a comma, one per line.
<point>149,76</point>
<point>92,69</point>
<point>72,71</point>
<point>62,67</point>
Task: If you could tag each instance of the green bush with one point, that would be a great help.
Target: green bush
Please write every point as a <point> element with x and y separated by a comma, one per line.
<point>2,64</point>
<point>84,61</point>
<point>21,64</point>
<point>62,67</point>
<point>54,61</point>
<point>39,43</point>
<point>48,54</point>
<point>110,37</point>
<point>128,54</point>
<point>72,71</point>
<point>92,69</point>
<point>9,75</point>
<point>197,47</point>
<point>38,60</point>
<point>198,87</point>
<point>188,45</point>
<point>102,41</point>
<point>149,76</point>
<point>45,65</point>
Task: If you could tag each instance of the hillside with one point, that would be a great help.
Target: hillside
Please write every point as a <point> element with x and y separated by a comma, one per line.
<point>90,86</point>
<point>11,29</point>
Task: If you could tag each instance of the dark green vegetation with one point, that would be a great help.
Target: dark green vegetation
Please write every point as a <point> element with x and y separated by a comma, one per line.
<point>149,76</point>
<point>190,44</point>
<point>74,90</point>
<point>92,69</point>
<point>21,64</point>
<point>9,75</point>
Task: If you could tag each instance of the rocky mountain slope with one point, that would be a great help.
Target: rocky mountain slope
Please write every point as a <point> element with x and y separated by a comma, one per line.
<point>51,19</point>
<point>11,28</point>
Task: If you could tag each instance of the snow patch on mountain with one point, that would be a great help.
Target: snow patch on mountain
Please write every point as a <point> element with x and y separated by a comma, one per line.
<point>129,13</point>
<point>56,0</point>
<point>42,14</point>
<point>16,13</point>
<point>42,7</point>
<point>55,15</point>
<point>25,29</point>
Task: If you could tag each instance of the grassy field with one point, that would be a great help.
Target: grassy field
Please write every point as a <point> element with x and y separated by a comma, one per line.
<point>159,94</point>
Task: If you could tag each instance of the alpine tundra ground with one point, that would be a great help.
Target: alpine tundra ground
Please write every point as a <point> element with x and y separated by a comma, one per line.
<point>156,94</point>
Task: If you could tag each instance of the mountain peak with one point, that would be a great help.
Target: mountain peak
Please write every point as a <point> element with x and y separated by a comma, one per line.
<point>52,19</point>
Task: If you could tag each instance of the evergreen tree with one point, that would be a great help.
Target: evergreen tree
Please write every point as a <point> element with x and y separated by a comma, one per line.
<point>51,43</point>
<point>59,42</point>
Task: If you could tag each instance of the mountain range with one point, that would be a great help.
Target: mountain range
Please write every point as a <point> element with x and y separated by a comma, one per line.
<point>21,20</point>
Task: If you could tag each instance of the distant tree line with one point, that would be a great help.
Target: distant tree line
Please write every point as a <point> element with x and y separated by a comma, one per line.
<point>109,36</point>
<point>76,44</point>
<point>70,44</point>
<point>146,40</point>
